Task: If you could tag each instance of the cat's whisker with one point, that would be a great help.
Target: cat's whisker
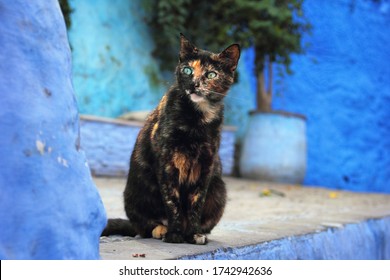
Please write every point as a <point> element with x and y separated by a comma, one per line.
<point>227,96</point>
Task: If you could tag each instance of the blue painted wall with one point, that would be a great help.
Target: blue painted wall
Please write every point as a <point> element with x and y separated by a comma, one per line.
<point>49,205</point>
<point>112,57</point>
<point>341,84</point>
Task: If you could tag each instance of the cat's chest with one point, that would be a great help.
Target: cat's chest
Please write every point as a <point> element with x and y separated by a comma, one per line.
<point>191,162</point>
<point>187,151</point>
<point>193,144</point>
<point>183,133</point>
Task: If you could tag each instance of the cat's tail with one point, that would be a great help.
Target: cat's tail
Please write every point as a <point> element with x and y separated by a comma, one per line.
<point>119,227</point>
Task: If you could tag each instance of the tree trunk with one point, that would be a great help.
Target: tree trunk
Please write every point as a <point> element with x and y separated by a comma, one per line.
<point>263,96</point>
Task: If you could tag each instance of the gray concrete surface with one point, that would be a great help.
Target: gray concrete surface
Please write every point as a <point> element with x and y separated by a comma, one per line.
<point>256,213</point>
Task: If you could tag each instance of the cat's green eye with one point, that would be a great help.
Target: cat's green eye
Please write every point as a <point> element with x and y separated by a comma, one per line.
<point>211,75</point>
<point>187,70</point>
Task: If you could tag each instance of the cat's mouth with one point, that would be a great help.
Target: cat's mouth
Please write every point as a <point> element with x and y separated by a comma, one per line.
<point>195,96</point>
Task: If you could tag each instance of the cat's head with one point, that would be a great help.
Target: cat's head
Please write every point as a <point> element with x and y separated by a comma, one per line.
<point>206,76</point>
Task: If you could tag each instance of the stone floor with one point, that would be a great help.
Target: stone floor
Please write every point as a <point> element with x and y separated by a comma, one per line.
<point>256,213</point>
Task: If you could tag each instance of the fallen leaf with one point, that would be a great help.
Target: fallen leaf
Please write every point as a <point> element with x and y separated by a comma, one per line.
<point>333,195</point>
<point>265,192</point>
<point>269,192</point>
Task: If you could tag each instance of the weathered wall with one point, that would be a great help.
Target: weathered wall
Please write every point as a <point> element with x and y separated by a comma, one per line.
<point>342,85</point>
<point>112,57</point>
<point>49,206</point>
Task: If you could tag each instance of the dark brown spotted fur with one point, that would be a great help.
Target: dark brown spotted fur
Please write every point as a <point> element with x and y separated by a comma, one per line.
<point>174,189</point>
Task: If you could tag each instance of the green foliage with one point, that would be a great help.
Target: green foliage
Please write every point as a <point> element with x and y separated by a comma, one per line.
<point>66,11</point>
<point>273,27</point>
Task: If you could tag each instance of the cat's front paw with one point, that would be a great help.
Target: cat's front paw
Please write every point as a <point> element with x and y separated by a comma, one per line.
<point>173,237</point>
<point>159,231</point>
<point>197,238</point>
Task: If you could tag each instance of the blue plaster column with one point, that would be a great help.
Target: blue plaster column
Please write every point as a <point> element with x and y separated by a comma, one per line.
<point>49,206</point>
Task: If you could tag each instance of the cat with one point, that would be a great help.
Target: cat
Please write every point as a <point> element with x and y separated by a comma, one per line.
<point>174,189</point>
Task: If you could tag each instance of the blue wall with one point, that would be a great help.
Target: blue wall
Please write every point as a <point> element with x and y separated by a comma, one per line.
<point>341,84</point>
<point>112,57</point>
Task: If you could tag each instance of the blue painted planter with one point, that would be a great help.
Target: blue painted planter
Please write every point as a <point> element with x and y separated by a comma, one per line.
<point>274,148</point>
<point>49,205</point>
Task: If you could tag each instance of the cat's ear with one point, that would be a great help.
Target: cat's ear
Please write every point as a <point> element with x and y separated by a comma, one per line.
<point>230,56</point>
<point>186,48</point>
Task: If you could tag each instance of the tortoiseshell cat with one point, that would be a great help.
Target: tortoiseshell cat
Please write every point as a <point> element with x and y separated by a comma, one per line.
<point>174,189</point>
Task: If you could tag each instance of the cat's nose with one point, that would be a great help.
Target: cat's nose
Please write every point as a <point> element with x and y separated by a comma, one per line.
<point>197,83</point>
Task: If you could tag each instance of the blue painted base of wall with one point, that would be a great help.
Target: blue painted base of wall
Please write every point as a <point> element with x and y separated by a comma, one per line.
<point>368,240</point>
<point>108,144</point>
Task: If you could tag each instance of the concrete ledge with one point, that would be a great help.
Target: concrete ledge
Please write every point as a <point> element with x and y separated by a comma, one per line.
<point>108,144</point>
<point>271,221</point>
